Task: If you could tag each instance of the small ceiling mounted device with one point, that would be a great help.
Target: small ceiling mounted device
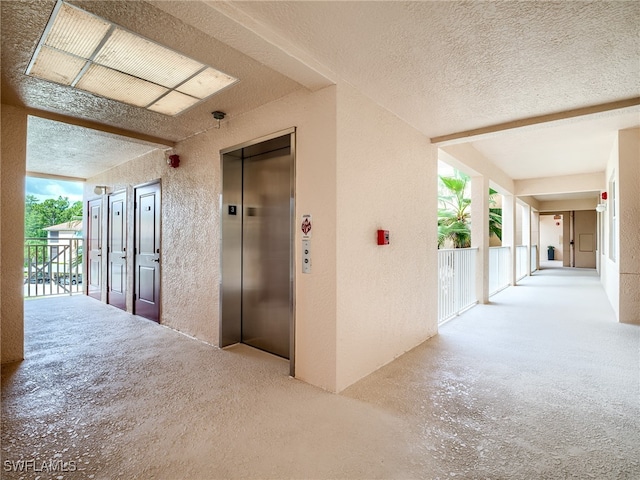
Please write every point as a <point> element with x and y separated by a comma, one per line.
<point>218,115</point>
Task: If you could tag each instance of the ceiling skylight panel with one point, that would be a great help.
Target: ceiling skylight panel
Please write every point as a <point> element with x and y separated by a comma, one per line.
<point>83,51</point>
<point>76,31</point>
<point>56,66</point>
<point>142,58</point>
<point>173,103</point>
<point>119,86</point>
<point>206,83</point>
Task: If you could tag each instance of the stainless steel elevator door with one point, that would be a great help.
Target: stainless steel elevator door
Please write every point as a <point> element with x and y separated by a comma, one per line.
<point>266,251</point>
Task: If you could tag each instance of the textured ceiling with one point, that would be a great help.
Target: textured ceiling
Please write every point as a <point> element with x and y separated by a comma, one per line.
<point>562,148</point>
<point>24,21</point>
<point>87,152</point>
<point>444,67</point>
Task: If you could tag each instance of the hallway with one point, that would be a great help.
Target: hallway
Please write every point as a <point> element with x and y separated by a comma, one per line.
<point>540,384</point>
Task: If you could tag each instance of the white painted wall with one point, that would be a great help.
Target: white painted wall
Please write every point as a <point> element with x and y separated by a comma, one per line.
<point>551,234</point>
<point>386,179</point>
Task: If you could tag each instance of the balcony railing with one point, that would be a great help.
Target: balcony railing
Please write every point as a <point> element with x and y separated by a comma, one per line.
<point>457,281</point>
<point>52,266</point>
<point>499,265</point>
<point>534,258</point>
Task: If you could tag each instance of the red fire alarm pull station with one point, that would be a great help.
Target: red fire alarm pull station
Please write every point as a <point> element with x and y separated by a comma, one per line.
<point>383,237</point>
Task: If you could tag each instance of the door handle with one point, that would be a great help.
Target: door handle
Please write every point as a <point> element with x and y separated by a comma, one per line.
<point>124,257</point>
<point>156,260</point>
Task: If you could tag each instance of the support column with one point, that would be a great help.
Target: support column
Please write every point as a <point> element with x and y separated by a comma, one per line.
<point>526,234</point>
<point>480,234</point>
<point>535,237</point>
<point>627,204</point>
<point>12,177</point>
<point>509,231</point>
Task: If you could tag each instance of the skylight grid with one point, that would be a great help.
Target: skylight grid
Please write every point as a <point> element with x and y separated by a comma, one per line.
<point>206,83</point>
<point>120,86</point>
<point>151,61</point>
<point>172,103</point>
<point>57,66</point>
<point>112,62</point>
<point>76,31</point>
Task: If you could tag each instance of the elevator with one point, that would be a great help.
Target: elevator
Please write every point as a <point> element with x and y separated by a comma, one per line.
<point>256,294</point>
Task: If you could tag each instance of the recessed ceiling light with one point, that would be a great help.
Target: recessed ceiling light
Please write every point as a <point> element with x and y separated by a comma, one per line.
<point>87,52</point>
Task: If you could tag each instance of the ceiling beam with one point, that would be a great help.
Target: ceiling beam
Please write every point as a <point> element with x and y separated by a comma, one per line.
<point>469,135</point>
<point>101,127</point>
<point>55,177</point>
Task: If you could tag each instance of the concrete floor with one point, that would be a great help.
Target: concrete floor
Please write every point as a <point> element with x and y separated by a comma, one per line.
<point>540,384</point>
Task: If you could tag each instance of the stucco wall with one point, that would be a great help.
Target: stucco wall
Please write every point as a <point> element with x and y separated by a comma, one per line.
<point>387,300</point>
<point>629,222</point>
<point>14,154</point>
<point>191,226</point>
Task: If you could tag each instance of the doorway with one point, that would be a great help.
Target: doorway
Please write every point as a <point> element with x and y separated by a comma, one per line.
<point>584,227</point>
<point>146,302</point>
<point>116,251</point>
<point>94,248</point>
<point>257,245</point>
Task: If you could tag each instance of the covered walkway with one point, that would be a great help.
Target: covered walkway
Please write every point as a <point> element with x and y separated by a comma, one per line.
<point>541,383</point>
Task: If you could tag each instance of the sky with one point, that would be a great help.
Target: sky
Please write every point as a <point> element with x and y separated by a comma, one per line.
<point>44,188</point>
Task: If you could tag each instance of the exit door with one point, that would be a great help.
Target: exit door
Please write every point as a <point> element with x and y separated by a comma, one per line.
<point>257,263</point>
<point>584,228</point>
<point>94,248</point>
<point>147,252</point>
<point>116,251</point>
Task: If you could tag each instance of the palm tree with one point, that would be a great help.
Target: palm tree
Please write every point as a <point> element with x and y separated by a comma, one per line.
<point>454,216</point>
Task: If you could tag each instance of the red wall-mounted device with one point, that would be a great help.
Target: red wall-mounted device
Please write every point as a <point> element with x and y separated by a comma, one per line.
<point>604,195</point>
<point>383,237</point>
<point>173,161</point>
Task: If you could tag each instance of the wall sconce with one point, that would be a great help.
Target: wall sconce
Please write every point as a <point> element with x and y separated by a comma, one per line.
<point>601,207</point>
<point>218,115</point>
<point>173,161</point>
<point>100,189</point>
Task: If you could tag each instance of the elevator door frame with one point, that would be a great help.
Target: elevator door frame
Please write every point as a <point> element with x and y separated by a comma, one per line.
<point>230,334</point>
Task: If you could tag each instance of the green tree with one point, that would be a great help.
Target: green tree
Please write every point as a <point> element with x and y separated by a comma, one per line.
<point>454,215</point>
<point>39,215</point>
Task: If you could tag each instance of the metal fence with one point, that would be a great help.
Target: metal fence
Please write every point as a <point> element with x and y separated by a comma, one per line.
<point>457,281</point>
<point>52,266</point>
<point>499,265</point>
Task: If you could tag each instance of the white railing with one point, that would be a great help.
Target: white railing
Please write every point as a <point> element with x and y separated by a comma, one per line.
<point>521,262</point>
<point>499,265</point>
<point>52,266</point>
<point>457,281</point>
<point>534,258</point>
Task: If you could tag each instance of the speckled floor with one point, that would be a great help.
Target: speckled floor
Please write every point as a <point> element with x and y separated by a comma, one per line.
<point>540,384</point>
